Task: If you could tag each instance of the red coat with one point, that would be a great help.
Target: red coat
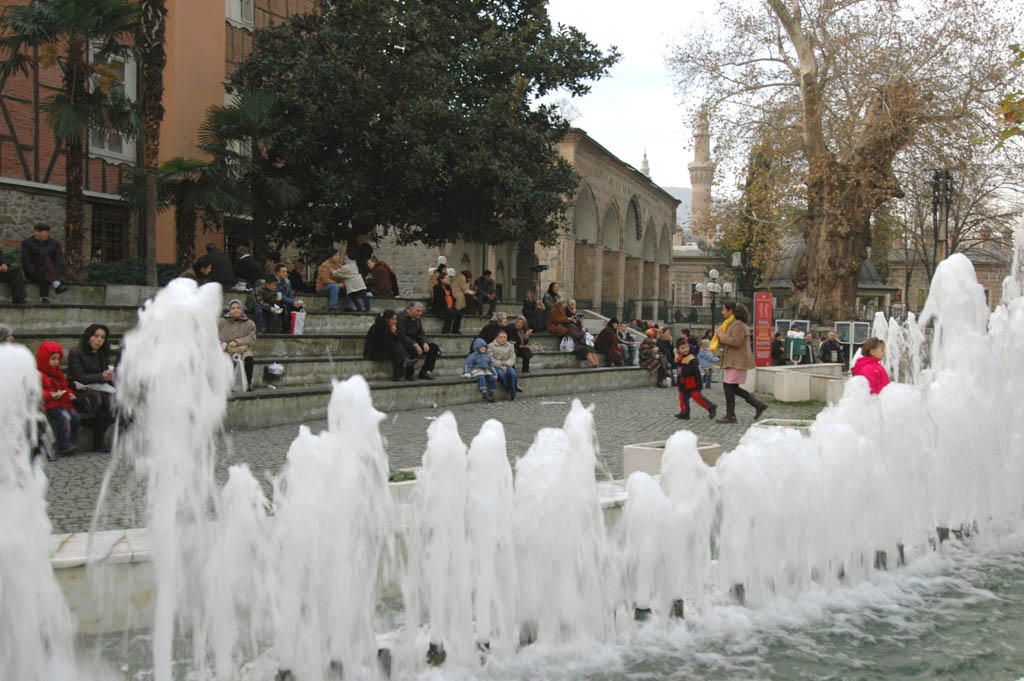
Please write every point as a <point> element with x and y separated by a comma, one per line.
<point>53,378</point>
<point>870,368</point>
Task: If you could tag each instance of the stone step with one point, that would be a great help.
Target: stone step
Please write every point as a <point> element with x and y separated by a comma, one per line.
<point>60,319</point>
<point>320,370</point>
<point>264,407</point>
<point>306,345</point>
<point>133,296</point>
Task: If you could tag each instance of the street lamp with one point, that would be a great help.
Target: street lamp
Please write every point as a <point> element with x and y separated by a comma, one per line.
<point>942,201</point>
<point>714,288</point>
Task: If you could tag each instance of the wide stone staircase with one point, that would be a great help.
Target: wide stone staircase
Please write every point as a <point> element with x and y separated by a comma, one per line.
<point>330,348</point>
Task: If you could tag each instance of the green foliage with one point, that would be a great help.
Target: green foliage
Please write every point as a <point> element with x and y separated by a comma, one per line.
<point>130,271</point>
<point>421,116</point>
<point>401,476</point>
<point>1011,106</point>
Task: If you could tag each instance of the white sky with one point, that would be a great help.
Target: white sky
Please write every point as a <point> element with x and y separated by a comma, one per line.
<point>635,106</point>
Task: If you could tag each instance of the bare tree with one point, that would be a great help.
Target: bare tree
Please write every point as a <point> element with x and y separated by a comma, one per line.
<point>862,78</point>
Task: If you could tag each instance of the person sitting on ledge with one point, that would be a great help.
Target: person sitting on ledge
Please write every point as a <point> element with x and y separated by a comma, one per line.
<point>444,306</point>
<point>355,287</point>
<point>238,336</point>
<point>43,261</point>
<point>607,342</point>
<point>58,397</point>
<point>266,305</point>
<point>414,340</point>
<point>247,268</point>
<point>577,330</point>
<point>519,333</point>
<point>221,269</point>
<point>199,272</point>
<point>480,366</point>
<point>91,370</point>
<point>328,279</point>
<point>11,275</point>
<point>558,321</point>
<point>490,330</point>
<point>382,344</point>
<point>503,354</point>
<point>381,279</point>
<point>551,298</point>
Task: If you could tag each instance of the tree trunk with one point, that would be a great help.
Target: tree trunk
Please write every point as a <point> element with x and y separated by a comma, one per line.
<point>74,211</point>
<point>185,234</point>
<point>152,58</point>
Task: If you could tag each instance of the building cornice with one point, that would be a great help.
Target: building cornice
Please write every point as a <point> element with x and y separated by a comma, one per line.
<point>578,135</point>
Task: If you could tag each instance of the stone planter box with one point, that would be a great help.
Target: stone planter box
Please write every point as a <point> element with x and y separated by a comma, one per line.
<point>646,456</point>
<point>802,425</point>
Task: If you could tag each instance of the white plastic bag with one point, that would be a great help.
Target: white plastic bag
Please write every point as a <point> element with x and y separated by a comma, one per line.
<point>566,345</point>
<point>241,385</point>
<point>298,322</point>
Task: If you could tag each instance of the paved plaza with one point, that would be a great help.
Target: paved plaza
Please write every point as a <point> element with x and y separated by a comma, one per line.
<point>621,417</point>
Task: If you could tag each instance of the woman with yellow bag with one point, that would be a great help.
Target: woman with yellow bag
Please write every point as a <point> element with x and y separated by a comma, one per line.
<point>733,336</point>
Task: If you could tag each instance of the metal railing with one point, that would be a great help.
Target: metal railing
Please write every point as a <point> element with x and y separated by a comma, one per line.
<point>643,308</point>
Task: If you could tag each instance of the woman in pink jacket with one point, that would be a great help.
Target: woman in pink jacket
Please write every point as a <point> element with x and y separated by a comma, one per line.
<point>870,365</point>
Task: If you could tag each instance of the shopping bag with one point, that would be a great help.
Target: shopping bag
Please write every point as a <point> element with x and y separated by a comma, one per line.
<point>566,345</point>
<point>298,322</point>
<point>240,384</point>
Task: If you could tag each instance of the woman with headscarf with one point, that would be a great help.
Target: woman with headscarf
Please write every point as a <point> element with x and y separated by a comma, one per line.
<point>91,370</point>
<point>551,298</point>
<point>238,336</point>
<point>607,342</point>
<point>519,335</point>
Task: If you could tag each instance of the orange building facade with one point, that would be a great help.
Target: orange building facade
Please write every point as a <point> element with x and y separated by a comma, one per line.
<point>205,41</point>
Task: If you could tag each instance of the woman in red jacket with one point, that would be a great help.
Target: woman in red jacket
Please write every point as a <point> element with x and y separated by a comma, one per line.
<point>58,398</point>
<point>870,365</point>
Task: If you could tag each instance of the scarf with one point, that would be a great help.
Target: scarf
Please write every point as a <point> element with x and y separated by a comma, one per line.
<point>723,328</point>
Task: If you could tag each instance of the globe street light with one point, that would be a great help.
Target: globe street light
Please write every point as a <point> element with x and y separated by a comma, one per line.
<point>714,288</point>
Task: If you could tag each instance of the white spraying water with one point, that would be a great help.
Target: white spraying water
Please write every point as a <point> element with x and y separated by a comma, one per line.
<point>36,630</point>
<point>173,385</point>
<point>331,509</point>
<point>492,543</point>
<point>561,543</point>
<point>439,585</point>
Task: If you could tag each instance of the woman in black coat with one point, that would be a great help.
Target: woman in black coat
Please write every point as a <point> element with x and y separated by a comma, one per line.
<point>382,344</point>
<point>90,363</point>
<point>443,305</point>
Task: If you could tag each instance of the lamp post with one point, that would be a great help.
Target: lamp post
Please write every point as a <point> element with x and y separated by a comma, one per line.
<point>714,288</point>
<point>942,201</point>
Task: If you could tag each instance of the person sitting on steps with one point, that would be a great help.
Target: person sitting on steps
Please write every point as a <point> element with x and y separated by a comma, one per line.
<point>443,306</point>
<point>91,370</point>
<point>518,333</point>
<point>43,261</point>
<point>382,344</point>
<point>412,337</point>
<point>480,366</point>
<point>503,354</point>
<point>58,397</point>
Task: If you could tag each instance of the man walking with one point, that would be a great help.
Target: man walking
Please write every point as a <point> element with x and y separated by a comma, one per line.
<point>410,334</point>
<point>43,261</point>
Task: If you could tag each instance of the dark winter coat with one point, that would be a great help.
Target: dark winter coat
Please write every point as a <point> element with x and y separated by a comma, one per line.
<point>410,331</point>
<point>34,252</point>
<point>221,269</point>
<point>689,375</point>
<point>86,366</point>
<point>380,341</point>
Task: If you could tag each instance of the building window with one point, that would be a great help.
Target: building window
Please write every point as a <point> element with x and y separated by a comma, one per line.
<point>696,297</point>
<point>239,12</point>
<point>122,70</point>
<point>111,227</point>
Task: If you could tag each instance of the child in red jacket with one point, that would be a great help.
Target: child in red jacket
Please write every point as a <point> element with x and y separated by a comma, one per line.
<point>58,397</point>
<point>869,365</point>
<point>690,381</point>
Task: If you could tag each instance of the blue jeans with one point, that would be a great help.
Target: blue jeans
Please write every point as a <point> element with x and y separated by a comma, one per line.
<point>331,291</point>
<point>487,381</point>
<point>352,300</point>
<point>628,354</point>
<point>272,320</point>
<point>66,424</point>
<point>707,376</point>
<point>509,380</point>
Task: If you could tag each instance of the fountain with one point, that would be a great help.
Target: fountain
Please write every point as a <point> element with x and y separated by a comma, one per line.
<point>486,572</point>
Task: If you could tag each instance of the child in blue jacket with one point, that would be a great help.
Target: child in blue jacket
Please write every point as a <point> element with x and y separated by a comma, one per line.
<point>480,366</point>
<point>705,359</point>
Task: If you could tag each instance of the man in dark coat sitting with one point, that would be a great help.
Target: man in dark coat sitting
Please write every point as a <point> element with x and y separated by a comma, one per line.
<point>414,340</point>
<point>222,271</point>
<point>43,261</point>
<point>247,268</point>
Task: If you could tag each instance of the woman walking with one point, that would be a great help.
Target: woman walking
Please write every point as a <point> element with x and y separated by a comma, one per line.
<point>737,359</point>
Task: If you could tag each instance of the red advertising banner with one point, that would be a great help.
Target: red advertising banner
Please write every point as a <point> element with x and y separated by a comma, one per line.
<point>763,328</point>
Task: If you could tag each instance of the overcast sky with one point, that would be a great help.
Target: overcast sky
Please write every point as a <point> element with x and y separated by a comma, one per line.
<point>635,106</point>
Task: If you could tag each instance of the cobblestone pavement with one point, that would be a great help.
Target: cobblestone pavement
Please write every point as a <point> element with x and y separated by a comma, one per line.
<point>621,417</point>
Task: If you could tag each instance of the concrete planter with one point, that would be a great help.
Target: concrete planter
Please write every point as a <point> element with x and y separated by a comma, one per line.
<point>646,456</point>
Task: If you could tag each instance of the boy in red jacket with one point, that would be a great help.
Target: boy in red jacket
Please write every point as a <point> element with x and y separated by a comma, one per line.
<point>58,397</point>
<point>869,365</point>
<point>690,381</point>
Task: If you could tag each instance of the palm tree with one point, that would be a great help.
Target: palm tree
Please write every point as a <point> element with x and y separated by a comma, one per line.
<point>151,58</point>
<point>196,189</point>
<point>61,33</point>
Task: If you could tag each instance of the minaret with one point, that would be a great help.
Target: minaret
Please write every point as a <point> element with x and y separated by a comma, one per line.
<point>645,167</point>
<point>702,171</point>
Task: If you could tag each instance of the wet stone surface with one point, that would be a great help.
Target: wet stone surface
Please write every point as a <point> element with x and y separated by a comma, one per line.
<point>621,417</point>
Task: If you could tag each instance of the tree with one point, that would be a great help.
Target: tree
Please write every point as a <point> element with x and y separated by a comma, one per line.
<point>61,33</point>
<point>151,59</point>
<point>420,116</point>
<point>863,77</point>
<point>1011,107</point>
<point>197,190</point>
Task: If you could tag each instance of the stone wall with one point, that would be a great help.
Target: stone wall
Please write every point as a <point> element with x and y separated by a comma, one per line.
<point>21,210</point>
